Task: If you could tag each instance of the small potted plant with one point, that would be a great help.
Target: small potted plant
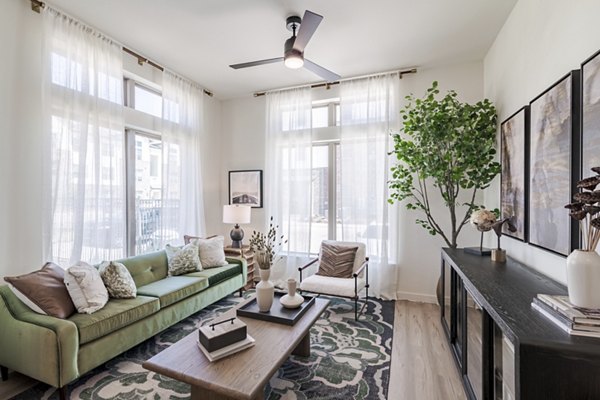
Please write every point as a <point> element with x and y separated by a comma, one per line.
<point>499,254</point>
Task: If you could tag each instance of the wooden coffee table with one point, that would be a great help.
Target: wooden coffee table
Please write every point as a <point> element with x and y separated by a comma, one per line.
<point>243,375</point>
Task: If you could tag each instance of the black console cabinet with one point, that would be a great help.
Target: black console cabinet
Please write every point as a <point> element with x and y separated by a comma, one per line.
<point>503,348</point>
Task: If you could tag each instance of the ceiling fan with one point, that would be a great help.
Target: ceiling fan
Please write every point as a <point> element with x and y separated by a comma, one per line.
<point>293,50</point>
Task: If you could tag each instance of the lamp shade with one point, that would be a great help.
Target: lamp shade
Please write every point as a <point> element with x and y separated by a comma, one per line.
<point>236,214</point>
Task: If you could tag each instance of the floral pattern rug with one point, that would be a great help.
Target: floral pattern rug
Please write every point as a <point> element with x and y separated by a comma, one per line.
<point>349,360</point>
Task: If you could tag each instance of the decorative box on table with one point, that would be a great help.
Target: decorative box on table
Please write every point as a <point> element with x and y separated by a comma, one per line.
<point>221,334</point>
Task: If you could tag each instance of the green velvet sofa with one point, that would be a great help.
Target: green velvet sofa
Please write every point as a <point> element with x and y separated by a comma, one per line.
<point>58,351</point>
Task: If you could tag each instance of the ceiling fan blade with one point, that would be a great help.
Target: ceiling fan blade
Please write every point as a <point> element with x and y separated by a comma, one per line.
<point>322,72</point>
<point>255,63</point>
<point>308,26</point>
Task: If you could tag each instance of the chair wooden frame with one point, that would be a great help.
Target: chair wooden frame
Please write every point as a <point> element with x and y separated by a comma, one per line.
<point>364,267</point>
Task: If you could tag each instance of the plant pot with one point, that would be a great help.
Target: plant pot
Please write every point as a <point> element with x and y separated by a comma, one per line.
<point>583,276</point>
<point>265,290</point>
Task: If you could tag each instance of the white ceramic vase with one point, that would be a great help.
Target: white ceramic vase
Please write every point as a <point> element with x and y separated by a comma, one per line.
<point>583,278</point>
<point>265,290</point>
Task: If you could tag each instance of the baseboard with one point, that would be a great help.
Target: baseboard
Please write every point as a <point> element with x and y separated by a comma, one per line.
<point>417,297</point>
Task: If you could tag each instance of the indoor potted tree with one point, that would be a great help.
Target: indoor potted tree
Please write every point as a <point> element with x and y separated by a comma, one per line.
<point>446,148</point>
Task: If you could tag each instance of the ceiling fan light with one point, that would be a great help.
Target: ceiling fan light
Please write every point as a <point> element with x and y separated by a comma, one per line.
<point>294,61</point>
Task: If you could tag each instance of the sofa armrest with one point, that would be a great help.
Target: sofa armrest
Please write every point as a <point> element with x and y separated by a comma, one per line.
<point>243,262</point>
<point>39,346</point>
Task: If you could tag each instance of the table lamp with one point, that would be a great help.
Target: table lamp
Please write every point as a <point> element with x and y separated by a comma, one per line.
<point>236,214</point>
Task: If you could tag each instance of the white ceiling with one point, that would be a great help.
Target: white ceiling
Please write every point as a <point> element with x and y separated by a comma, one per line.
<point>200,38</point>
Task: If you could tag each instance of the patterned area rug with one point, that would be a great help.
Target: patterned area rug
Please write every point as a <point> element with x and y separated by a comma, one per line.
<point>349,360</point>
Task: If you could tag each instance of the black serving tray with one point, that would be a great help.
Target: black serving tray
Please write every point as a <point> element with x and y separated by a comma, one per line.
<point>278,313</point>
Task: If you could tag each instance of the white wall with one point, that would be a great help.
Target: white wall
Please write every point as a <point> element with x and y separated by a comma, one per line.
<point>541,41</point>
<point>21,149</point>
<point>243,125</point>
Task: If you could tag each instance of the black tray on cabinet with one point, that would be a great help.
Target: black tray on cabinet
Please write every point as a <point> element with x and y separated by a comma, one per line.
<point>278,313</point>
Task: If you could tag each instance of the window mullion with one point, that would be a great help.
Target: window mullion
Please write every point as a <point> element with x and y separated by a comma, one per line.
<point>130,160</point>
<point>332,195</point>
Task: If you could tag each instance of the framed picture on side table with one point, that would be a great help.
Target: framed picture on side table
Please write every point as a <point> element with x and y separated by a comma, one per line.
<point>245,188</point>
<point>554,165</point>
<point>514,135</point>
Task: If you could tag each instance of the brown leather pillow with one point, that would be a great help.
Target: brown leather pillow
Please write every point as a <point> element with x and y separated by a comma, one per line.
<point>46,289</point>
<point>337,261</point>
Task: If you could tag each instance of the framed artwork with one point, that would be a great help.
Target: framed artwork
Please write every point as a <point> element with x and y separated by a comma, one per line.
<point>245,187</point>
<point>554,165</point>
<point>590,115</point>
<point>514,134</point>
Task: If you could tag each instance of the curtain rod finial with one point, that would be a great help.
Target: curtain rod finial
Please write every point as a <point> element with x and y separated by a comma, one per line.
<point>37,6</point>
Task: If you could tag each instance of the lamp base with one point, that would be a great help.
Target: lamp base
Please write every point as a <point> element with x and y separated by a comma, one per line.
<point>236,235</point>
<point>478,251</point>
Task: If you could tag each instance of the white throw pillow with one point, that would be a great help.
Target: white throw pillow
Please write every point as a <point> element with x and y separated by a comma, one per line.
<point>212,253</point>
<point>86,288</point>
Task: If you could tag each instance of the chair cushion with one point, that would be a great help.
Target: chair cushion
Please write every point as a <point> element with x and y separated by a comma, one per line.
<point>116,314</point>
<point>333,286</point>
<point>336,260</point>
<point>174,288</point>
<point>219,274</point>
<point>361,253</point>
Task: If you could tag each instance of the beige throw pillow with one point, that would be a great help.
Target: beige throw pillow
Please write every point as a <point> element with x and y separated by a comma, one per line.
<point>44,288</point>
<point>183,260</point>
<point>118,280</point>
<point>86,288</point>
<point>212,253</point>
<point>337,261</point>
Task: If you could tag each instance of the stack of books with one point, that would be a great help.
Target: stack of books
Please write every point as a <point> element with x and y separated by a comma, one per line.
<point>574,320</point>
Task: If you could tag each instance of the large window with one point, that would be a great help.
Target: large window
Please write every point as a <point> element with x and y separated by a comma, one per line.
<point>325,219</point>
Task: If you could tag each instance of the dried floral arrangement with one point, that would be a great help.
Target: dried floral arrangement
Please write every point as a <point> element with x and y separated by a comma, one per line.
<point>266,246</point>
<point>585,209</point>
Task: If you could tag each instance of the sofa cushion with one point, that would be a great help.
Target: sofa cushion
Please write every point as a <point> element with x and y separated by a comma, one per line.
<point>218,274</point>
<point>86,288</point>
<point>116,314</point>
<point>118,280</point>
<point>146,268</point>
<point>174,288</point>
<point>45,289</point>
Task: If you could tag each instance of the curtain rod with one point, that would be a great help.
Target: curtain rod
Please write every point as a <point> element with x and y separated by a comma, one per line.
<point>37,5</point>
<point>329,84</point>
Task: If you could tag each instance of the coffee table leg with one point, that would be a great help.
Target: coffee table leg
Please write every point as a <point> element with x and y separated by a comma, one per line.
<point>199,393</point>
<point>303,348</point>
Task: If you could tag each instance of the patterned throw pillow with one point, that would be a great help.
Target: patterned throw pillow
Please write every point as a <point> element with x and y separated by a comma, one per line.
<point>183,260</point>
<point>212,253</point>
<point>337,261</point>
<point>86,288</point>
<point>44,291</point>
<point>118,280</point>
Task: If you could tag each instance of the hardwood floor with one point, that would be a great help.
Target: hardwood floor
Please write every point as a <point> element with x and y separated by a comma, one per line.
<point>422,367</point>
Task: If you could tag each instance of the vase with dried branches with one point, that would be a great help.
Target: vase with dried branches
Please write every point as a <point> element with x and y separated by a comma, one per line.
<point>266,247</point>
<point>583,265</point>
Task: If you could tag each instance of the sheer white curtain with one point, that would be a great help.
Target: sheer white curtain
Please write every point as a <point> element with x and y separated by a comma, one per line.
<point>369,112</point>
<point>182,200</point>
<point>288,166</point>
<point>84,175</point>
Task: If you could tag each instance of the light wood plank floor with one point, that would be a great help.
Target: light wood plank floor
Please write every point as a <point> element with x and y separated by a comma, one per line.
<point>422,367</point>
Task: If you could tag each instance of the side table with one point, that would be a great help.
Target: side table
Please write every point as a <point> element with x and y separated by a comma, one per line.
<point>247,254</point>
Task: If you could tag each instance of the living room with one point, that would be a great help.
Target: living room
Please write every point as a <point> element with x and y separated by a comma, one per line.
<point>509,52</point>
